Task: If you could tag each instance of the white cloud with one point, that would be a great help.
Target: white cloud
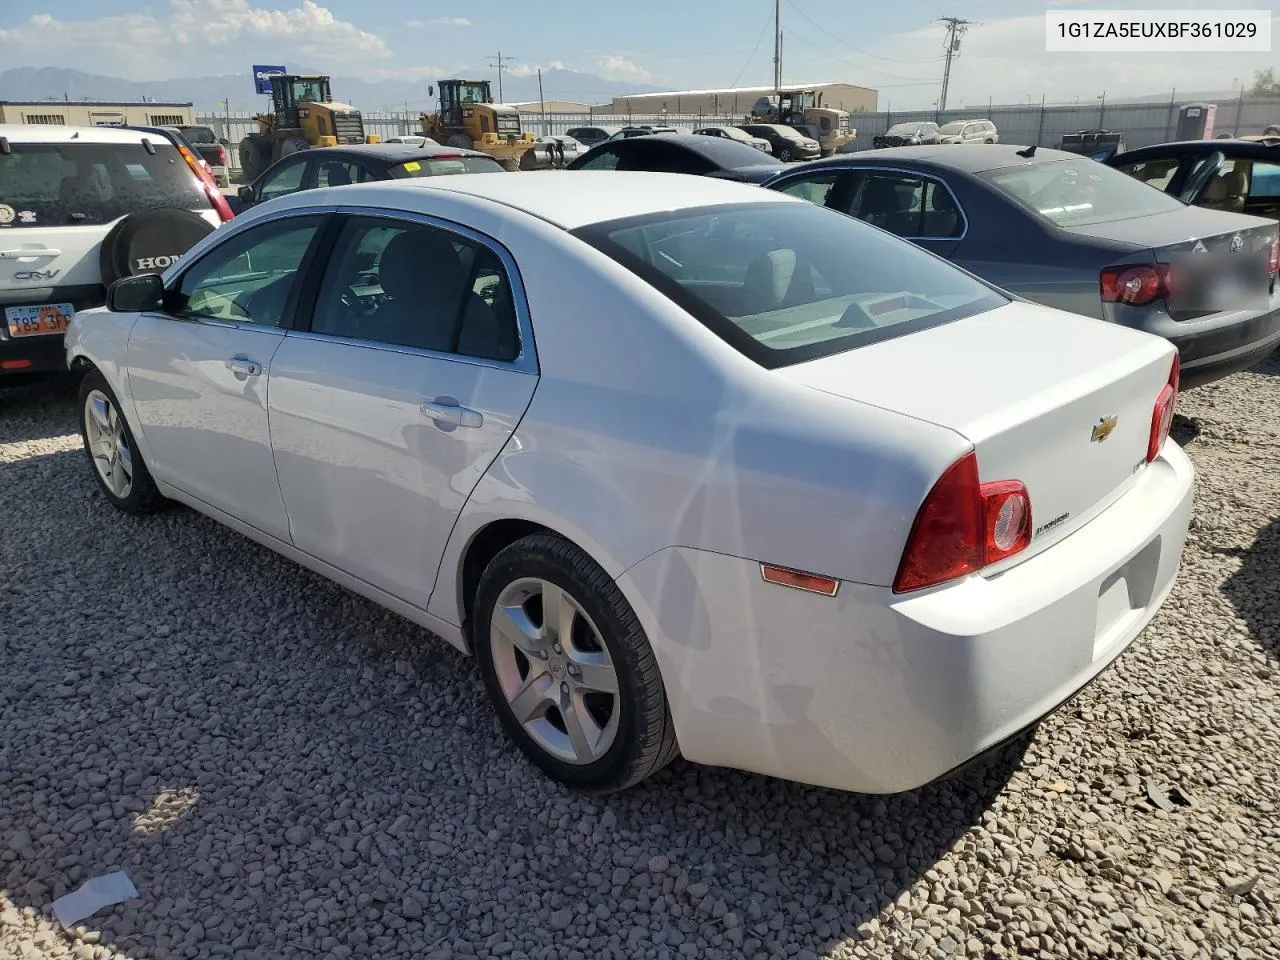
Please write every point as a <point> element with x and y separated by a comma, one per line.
<point>440,22</point>
<point>187,33</point>
<point>621,68</point>
<point>531,69</point>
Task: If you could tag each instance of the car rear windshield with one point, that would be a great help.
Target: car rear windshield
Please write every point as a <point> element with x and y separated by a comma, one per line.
<point>788,282</point>
<point>443,166</point>
<point>199,134</point>
<point>1077,192</point>
<point>79,184</point>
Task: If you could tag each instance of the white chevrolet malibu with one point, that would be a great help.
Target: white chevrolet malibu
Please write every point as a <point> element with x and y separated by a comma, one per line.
<point>689,466</point>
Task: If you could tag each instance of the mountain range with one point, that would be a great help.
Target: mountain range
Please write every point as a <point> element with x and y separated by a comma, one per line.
<point>208,93</point>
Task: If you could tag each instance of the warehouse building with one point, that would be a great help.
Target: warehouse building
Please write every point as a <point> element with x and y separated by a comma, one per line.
<point>739,100</point>
<point>97,113</point>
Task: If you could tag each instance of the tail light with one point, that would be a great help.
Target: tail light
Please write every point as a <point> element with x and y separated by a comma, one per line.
<point>1274,265</point>
<point>1162,415</point>
<point>222,155</point>
<point>1136,284</point>
<point>201,170</point>
<point>963,526</point>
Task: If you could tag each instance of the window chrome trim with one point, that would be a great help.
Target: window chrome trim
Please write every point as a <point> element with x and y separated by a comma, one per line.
<point>526,361</point>
<point>854,167</point>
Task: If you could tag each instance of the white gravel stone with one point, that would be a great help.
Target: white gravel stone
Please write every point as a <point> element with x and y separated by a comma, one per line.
<point>284,769</point>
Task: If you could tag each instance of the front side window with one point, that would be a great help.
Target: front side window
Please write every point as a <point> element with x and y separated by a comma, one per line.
<point>413,285</point>
<point>1156,172</point>
<point>287,179</point>
<point>788,282</point>
<point>907,205</point>
<point>815,189</point>
<point>602,160</point>
<point>248,278</point>
<point>1078,192</point>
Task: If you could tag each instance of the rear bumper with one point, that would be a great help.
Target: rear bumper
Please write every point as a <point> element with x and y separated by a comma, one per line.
<point>876,693</point>
<point>42,354</point>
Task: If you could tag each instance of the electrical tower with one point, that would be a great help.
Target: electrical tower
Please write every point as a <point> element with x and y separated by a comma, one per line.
<point>499,61</point>
<point>956,28</point>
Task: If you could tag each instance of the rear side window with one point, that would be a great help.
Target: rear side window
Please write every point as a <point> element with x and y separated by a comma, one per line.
<point>1078,192</point>
<point>1157,172</point>
<point>78,184</point>
<point>789,282</point>
<point>444,166</point>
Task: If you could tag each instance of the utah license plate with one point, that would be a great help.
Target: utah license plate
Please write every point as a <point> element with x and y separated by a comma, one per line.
<point>40,320</point>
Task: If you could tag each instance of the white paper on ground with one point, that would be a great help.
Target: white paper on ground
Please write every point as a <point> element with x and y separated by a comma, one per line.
<point>92,896</point>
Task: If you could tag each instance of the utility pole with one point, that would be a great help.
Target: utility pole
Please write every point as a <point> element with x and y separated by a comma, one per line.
<point>956,28</point>
<point>542,102</point>
<point>498,60</point>
<point>777,46</point>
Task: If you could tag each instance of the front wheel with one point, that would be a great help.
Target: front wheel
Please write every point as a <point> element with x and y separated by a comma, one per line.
<point>785,154</point>
<point>568,667</point>
<point>109,446</point>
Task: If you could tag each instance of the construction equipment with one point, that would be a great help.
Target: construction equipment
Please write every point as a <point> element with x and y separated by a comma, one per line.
<point>469,120</point>
<point>803,111</point>
<point>304,114</point>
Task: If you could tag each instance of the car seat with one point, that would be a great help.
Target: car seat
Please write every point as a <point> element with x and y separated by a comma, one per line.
<point>777,279</point>
<point>336,175</point>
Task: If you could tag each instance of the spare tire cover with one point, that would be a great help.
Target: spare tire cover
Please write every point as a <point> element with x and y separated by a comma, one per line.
<point>150,241</point>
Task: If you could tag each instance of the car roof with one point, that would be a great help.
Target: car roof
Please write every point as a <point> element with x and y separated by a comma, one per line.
<point>570,198</point>
<point>58,133</point>
<point>1230,147</point>
<point>974,158</point>
<point>394,152</point>
<point>725,153</point>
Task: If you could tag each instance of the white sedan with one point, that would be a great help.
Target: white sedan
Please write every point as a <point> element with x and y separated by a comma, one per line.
<point>689,466</point>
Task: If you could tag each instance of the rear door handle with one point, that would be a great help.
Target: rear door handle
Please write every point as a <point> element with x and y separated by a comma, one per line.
<point>29,253</point>
<point>447,411</point>
<point>243,367</point>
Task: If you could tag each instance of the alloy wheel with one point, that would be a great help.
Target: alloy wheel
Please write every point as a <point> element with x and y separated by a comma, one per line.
<point>108,444</point>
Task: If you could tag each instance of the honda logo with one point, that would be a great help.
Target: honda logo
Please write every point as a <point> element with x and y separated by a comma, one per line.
<point>36,274</point>
<point>155,263</point>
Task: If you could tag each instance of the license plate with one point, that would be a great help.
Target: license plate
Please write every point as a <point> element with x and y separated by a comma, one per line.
<point>38,321</point>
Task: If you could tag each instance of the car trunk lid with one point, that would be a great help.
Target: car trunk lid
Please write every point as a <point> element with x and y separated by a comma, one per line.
<point>1067,412</point>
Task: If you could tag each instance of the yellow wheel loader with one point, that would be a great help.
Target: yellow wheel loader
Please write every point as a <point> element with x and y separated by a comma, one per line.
<point>304,114</point>
<point>469,120</point>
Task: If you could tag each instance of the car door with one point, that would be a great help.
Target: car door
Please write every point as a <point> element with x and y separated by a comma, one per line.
<point>412,374</point>
<point>914,206</point>
<point>198,370</point>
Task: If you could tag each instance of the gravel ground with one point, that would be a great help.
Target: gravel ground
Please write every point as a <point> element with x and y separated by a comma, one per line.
<point>285,770</point>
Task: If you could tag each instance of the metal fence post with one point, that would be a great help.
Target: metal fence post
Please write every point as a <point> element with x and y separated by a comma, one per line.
<point>1040,129</point>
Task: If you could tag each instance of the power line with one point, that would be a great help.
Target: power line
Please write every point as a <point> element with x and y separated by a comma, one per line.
<point>956,28</point>
<point>752,55</point>
<point>497,60</point>
<point>867,53</point>
<point>835,56</point>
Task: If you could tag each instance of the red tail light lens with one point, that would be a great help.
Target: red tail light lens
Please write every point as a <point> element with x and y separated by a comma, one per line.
<point>222,156</point>
<point>201,169</point>
<point>1136,285</point>
<point>1162,415</point>
<point>1274,265</point>
<point>963,526</point>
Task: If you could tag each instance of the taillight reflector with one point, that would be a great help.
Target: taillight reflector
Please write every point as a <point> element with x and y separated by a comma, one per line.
<point>1162,415</point>
<point>963,526</point>
<point>1136,284</point>
<point>812,582</point>
<point>14,364</point>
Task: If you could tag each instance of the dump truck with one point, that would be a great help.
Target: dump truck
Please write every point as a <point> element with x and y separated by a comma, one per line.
<point>303,114</point>
<point>803,110</point>
<point>469,120</point>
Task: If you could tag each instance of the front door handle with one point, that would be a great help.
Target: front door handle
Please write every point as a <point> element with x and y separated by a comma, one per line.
<point>243,367</point>
<point>446,411</point>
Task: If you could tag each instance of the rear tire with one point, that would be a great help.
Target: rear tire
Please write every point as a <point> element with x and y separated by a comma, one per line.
<point>255,156</point>
<point>460,141</point>
<point>577,685</point>
<point>294,145</point>
<point>109,447</point>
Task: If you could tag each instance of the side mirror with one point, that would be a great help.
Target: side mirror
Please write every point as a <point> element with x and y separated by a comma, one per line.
<point>136,294</point>
<point>245,194</point>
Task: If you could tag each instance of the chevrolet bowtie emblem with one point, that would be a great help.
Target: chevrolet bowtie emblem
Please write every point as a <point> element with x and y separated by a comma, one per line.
<point>1102,429</point>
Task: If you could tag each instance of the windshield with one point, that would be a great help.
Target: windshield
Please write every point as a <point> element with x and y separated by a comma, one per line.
<point>81,184</point>
<point>789,282</point>
<point>903,129</point>
<point>308,91</point>
<point>443,166</point>
<point>1080,191</point>
<point>952,127</point>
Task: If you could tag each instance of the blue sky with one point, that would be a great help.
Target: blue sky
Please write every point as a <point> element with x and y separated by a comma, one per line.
<point>675,44</point>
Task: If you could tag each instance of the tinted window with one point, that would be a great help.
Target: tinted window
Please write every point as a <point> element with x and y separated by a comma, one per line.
<point>606,159</point>
<point>417,286</point>
<point>786,282</point>
<point>248,278</point>
<point>199,134</point>
<point>814,189</point>
<point>903,129</point>
<point>727,153</point>
<point>1070,192</point>
<point>339,173</point>
<point>952,128</point>
<point>444,166</point>
<point>286,179</point>
<point>907,205</point>
<point>1156,172</point>
<point>81,184</point>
